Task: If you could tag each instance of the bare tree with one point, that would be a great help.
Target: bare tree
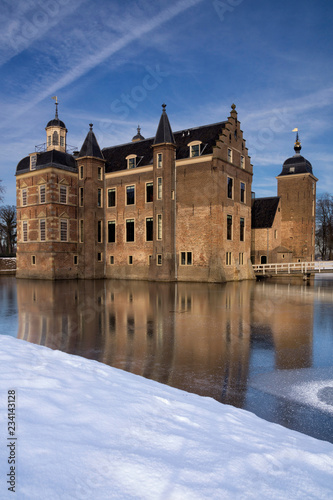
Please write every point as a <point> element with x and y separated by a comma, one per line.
<point>8,228</point>
<point>324,222</point>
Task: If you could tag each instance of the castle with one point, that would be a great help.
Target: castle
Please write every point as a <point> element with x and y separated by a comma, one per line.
<point>174,207</point>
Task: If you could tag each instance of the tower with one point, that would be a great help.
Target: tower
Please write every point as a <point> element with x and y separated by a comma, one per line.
<point>164,168</point>
<point>56,132</point>
<point>91,209</point>
<point>297,190</point>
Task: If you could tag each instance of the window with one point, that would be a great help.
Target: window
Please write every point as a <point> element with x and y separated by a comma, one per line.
<point>130,259</point>
<point>159,227</point>
<point>229,155</point>
<point>33,161</point>
<point>111,259</point>
<point>63,230</point>
<point>159,188</point>
<point>242,162</point>
<point>99,256</point>
<point>131,162</point>
<point>159,160</point>
<point>99,197</point>
<point>149,259</point>
<point>185,258</point>
<point>291,169</point>
<point>149,229</point>
<point>112,197</point>
<point>241,259</point>
<point>99,231</point>
<point>275,233</point>
<point>81,172</point>
<point>130,195</point>
<point>55,138</point>
<point>228,258</point>
<point>241,229</point>
<point>25,230</point>
<point>81,197</point>
<point>130,230</point>
<point>42,227</point>
<point>62,140</point>
<point>42,194</point>
<point>24,197</point>
<point>242,192</point>
<point>49,140</point>
<point>63,194</point>
<point>99,174</point>
<point>75,260</point>
<point>149,192</point>
<point>195,150</point>
<point>81,231</point>
<point>229,227</point>
<point>111,231</point>
<point>33,260</point>
<point>230,187</point>
<point>159,259</point>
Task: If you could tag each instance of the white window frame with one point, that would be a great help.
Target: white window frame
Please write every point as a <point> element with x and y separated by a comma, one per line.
<point>159,231</point>
<point>24,231</point>
<point>229,155</point>
<point>195,149</point>
<point>63,192</point>
<point>24,197</point>
<point>242,161</point>
<point>131,204</point>
<point>150,183</point>
<point>131,161</point>
<point>113,189</point>
<point>232,188</point>
<point>242,201</point>
<point>63,228</point>
<point>42,193</point>
<point>159,160</point>
<point>159,192</point>
<point>42,230</point>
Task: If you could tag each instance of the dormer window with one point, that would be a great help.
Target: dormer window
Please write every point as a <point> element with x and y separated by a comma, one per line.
<point>33,161</point>
<point>291,169</point>
<point>195,148</point>
<point>131,161</point>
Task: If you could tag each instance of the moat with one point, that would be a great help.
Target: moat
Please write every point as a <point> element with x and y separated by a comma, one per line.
<point>266,347</point>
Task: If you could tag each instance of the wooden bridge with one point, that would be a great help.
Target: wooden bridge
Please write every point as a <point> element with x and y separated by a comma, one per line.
<point>293,268</point>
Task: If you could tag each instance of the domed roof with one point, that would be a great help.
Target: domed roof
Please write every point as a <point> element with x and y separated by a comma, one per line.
<point>56,123</point>
<point>138,136</point>
<point>297,164</point>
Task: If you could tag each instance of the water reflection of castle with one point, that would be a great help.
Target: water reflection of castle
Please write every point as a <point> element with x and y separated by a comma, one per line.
<point>191,336</point>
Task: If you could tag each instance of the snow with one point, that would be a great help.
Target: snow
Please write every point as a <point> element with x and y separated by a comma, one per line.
<point>86,430</point>
<point>309,386</point>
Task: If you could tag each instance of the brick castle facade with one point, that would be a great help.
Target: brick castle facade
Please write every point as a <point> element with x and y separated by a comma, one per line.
<point>174,207</point>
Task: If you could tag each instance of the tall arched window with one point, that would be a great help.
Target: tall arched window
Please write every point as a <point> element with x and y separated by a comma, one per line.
<point>55,138</point>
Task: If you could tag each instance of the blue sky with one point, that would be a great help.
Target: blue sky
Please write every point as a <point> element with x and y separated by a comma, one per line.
<point>113,63</point>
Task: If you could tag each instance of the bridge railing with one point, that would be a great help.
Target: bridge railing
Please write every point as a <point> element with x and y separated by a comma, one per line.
<point>294,267</point>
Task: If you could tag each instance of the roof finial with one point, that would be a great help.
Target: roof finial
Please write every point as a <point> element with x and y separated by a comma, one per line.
<point>164,106</point>
<point>56,104</point>
<point>233,107</point>
<point>91,126</point>
<point>297,146</point>
<point>139,129</point>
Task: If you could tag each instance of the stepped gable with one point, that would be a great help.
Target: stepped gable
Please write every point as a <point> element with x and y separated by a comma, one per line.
<point>90,146</point>
<point>52,158</point>
<point>208,134</point>
<point>263,212</point>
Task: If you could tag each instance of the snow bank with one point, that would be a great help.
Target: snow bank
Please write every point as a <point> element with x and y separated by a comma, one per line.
<point>86,430</point>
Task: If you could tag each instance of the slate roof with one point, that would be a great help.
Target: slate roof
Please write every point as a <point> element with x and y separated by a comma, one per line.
<point>263,212</point>
<point>56,123</point>
<point>208,134</point>
<point>164,131</point>
<point>299,164</point>
<point>52,158</point>
<point>90,146</point>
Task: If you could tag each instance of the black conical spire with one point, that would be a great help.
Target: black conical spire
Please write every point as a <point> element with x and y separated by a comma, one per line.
<point>164,132</point>
<point>90,146</point>
<point>297,146</point>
